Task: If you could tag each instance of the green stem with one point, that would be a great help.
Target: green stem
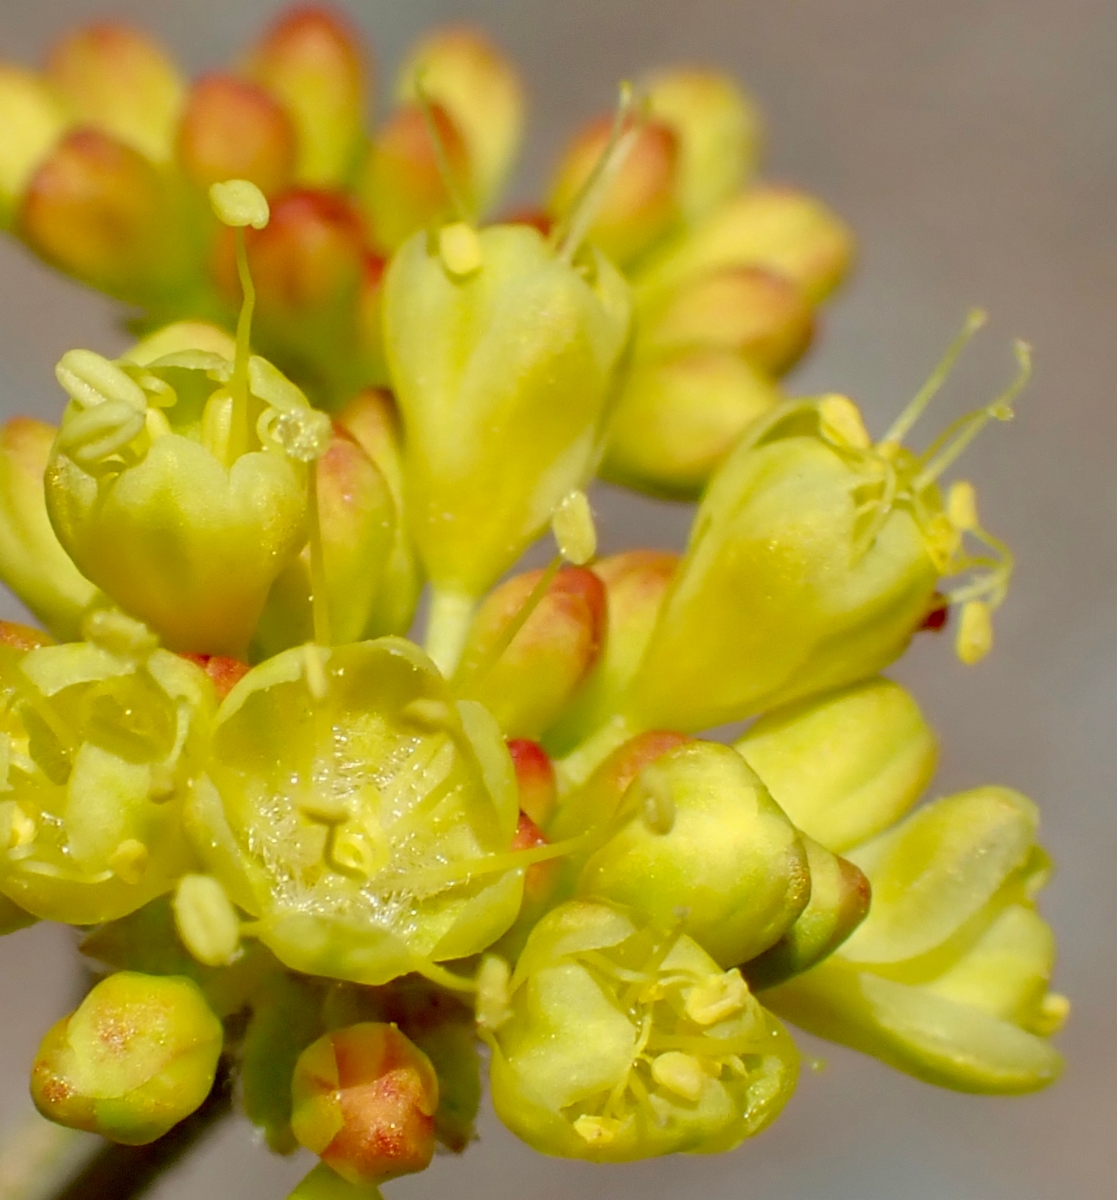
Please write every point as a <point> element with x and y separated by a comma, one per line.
<point>451,614</point>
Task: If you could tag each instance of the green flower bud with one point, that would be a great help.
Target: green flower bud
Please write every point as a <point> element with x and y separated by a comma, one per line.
<point>947,977</point>
<point>33,118</point>
<point>501,404</point>
<point>839,902</point>
<point>814,557</point>
<point>364,1100</point>
<point>624,1041</point>
<point>371,417</point>
<point>32,562</point>
<point>701,836</point>
<point>118,80</point>
<point>183,500</point>
<point>359,813</point>
<point>528,682</point>
<point>635,584</point>
<point>138,1056</point>
<point>847,765</point>
<point>461,71</point>
<point>101,740</point>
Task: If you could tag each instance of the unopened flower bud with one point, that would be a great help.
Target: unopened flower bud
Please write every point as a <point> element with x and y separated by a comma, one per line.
<point>138,1055</point>
<point>640,202</point>
<point>32,561</point>
<point>364,1102</point>
<point>33,118</point>
<point>839,902</point>
<point>232,129</point>
<point>605,1057</point>
<point>99,210</point>
<point>718,133</point>
<point>776,228</point>
<point>635,583</point>
<point>704,839</point>
<point>472,80</point>
<point>528,681</point>
<point>535,779</point>
<point>313,64</point>
<point>847,765</point>
<point>116,79</point>
<point>404,186</point>
<point>501,413</point>
<point>678,417</point>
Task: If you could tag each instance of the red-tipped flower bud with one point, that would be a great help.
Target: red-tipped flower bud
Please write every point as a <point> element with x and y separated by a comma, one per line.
<point>535,775</point>
<point>364,1101</point>
<point>33,118</point>
<point>527,682</point>
<point>232,129</point>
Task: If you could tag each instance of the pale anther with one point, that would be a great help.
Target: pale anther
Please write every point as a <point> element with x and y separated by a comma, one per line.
<point>574,530</point>
<point>460,249</point>
<point>238,203</point>
<point>206,920</point>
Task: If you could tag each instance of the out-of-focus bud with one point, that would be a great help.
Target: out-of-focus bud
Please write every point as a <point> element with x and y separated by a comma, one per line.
<point>403,186</point>
<point>814,558</point>
<point>33,118</point>
<point>640,203</point>
<point>462,71</point>
<point>177,504</point>
<point>309,269</point>
<point>313,64</point>
<point>527,681</point>
<point>372,418</point>
<point>751,311</point>
<point>777,228</point>
<point>535,778</point>
<point>32,561</point>
<point>635,584</point>
<point>360,813</point>
<point>598,801</point>
<point>118,80</point>
<point>90,819</point>
<point>501,410</point>
<point>364,1102</point>
<point>718,131</point>
<point>699,836</point>
<point>232,129</point>
<point>625,1041</point>
<point>677,418</point>
<point>357,526</point>
<point>839,902</point>
<point>845,766</point>
<point>947,976</point>
<point>99,210</point>
<point>137,1056</point>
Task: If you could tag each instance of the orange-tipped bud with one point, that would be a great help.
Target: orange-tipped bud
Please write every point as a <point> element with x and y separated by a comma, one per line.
<point>535,775</point>
<point>32,561</point>
<point>357,522</point>
<point>528,682</point>
<point>120,81</point>
<point>372,418</point>
<point>640,204</point>
<point>478,86</point>
<point>598,800</point>
<point>33,118</point>
<point>24,637</point>
<point>232,129</point>
<point>541,878</point>
<point>748,310</point>
<point>635,583</point>
<point>312,62</point>
<point>364,1102</point>
<point>678,417</point>
<point>779,228</point>
<point>100,211</point>
<point>403,187</point>
<point>718,130</point>
<point>224,672</point>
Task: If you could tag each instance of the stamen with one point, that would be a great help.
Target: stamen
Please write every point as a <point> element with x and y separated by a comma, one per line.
<point>903,424</point>
<point>571,231</point>
<point>975,632</point>
<point>494,1008</point>
<point>597,1131</point>
<point>206,920</point>
<point>680,1073</point>
<point>717,997</point>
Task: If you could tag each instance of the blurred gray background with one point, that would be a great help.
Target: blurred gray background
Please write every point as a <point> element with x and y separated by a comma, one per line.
<point>973,146</point>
